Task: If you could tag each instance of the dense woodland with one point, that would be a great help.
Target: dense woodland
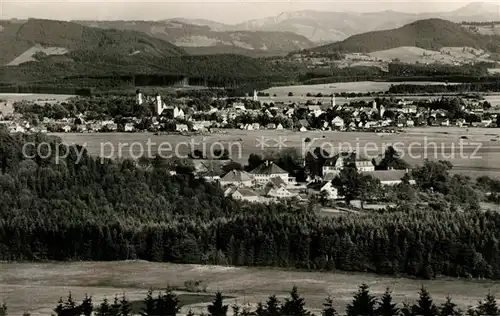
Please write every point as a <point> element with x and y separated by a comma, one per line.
<point>448,88</point>
<point>85,208</point>
<point>363,303</point>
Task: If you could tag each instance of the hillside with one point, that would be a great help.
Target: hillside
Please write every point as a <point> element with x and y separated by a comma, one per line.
<point>78,41</point>
<point>432,34</point>
<point>253,43</point>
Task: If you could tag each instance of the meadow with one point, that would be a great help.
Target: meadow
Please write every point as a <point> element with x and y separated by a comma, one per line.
<point>474,151</point>
<point>348,87</point>
<point>37,287</point>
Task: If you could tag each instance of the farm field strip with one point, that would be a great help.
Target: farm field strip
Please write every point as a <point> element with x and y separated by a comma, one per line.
<point>39,286</point>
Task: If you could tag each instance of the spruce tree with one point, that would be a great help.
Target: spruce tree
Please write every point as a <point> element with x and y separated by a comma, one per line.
<point>386,307</point>
<point>328,309</point>
<point>489,306</point>
<point>115,307</point>
<point>236,309</point>
<point>217,308</point>
<point>272,306</point>
<point>170,303</point>
<point>149,308</point>
<point>260,310</point>
<point>363,303</point>
<point>449,308</point>
<point>425,305</point>
<point>3,309</point>
<point>295,305</point>
<point>87,307</point>
<point>406,309</point>
<point>60,307</point>
<point>104,308</point>
<point>125,308</point>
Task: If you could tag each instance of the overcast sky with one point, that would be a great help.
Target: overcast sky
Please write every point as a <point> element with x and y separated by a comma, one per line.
<point>222,11</point>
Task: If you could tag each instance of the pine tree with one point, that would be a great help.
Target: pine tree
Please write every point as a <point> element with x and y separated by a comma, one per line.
<point>328,309</point>
<point>489,306</point>
<point>217,308</point>
<point>170,303</point>
<point>125,308</point>
<point>425,305</point>
<point>190,312</point>
<point>115,307</point>
<point>386,306</point>
<point>87,307</point>
<point>149,305</point>
<point>60,307</point>
<point>295,305</point>
<point>3,309</point>
<point>236,309</point>
<point>449,308</point>
<point>406,309</point>
<point>260,310</point>
<point>272,306</point>
<point>363,303</point>
<point>104,308</point>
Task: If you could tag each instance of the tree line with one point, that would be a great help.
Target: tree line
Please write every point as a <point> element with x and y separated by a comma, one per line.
<point>363,303</point>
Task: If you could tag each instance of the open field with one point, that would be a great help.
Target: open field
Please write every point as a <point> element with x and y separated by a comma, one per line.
<point>37,287</point>
<point>7,99</point>
<point>357,87</point>
<point>478,154</point>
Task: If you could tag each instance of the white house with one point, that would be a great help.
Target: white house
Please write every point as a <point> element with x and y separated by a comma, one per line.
<point>315,110</point>
<point>338,122</point>
<point>364,165</point>
<point>66,128</point>
<point>181,127</point>
<point>267,170</point>
<point>129,127</point>
<point>389,177</point>
<point>331,191</point>
<point>242,194</point>
<point>279,127</point>
<point>279,193</point>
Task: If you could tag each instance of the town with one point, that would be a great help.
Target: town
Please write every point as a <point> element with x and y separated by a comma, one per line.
<point>155,113</point>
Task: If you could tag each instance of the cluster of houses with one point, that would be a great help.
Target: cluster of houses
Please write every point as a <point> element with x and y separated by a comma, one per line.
<point>269,182</point>
<point>278,115</point>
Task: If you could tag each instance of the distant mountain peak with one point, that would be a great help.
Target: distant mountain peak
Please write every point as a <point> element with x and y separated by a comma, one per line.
<point>478,8</point>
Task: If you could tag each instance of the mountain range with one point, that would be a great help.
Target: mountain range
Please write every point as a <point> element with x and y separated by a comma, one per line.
<point>430,34</point>
<point>325,27</point>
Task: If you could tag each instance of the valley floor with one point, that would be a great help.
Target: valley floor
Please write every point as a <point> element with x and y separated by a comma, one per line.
<point>37,287</point>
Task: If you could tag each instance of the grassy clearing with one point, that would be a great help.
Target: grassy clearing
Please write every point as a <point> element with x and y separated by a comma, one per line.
<point>357,87</point>
<point>39,286</point>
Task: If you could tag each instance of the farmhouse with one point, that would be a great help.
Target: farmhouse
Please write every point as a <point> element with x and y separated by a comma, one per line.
<point>268,170</point>
<point>279,193</point>
<point>237,177</point>
<point>324,186</point>
<point>242,194</point>
<point>181,128</point>
<point>390,177</point>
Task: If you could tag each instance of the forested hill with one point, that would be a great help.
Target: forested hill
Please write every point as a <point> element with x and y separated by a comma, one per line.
<point>17,37</point>
<point>431,34</point>
<point>82,208</point>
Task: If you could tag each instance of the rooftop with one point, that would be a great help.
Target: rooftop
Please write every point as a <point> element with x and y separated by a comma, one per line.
<point>387,175</point>
<point>237,176</point>
<point>269,168</point>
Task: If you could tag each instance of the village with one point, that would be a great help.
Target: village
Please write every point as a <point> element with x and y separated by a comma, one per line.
<point>268,182</point>
<point>250,113</point>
